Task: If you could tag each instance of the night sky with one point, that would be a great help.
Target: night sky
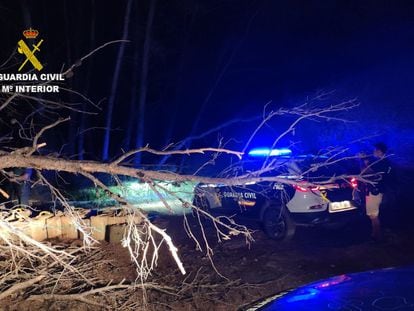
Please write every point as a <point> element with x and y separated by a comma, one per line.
<point>215,61</point>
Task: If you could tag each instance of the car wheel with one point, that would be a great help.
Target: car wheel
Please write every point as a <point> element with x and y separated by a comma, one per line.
<point>277,223</point>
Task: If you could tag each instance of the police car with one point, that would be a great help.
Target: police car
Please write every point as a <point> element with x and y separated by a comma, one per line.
<point>332,201</point>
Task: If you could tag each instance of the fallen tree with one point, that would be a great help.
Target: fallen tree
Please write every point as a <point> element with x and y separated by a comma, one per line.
<point>143,240</point>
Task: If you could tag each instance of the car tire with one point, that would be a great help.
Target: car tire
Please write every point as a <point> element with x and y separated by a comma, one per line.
<point>277,223</point>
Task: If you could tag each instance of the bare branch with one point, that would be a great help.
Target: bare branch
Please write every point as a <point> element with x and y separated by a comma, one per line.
<point>172,152</point>
<point>8,101</point>
<point>44,129</point>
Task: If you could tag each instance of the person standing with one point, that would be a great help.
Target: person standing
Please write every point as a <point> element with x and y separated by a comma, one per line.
<point>19,186</point>
<point>380,169</point>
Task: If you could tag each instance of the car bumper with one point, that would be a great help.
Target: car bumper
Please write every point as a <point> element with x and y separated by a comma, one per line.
<point>325,217</point>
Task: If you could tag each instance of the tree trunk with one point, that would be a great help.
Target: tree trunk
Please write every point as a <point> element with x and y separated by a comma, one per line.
<point>71,145</point>
<point>133,101</point>
<point>144,81</point>
<point>179,78</point>
<point>82,125</point>
<point>114,86</point>
<point>217,81</point>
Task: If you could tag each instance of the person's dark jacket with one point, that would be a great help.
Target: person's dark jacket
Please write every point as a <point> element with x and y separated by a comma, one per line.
<point>382,170</point>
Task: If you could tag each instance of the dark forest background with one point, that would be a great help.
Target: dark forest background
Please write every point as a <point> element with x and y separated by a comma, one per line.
<point>193,65</point>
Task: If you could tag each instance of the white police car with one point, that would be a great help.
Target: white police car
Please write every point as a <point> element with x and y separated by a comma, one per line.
<point>280,207</point>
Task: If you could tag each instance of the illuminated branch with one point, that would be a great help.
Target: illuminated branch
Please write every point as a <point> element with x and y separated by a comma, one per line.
<point>174,152</point>
<point>173,249</point>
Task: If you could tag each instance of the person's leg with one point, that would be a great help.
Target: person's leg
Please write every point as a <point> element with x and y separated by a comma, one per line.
<point>372,207</point>
<point>14,193</point>
<point>19,192</point>
<point>26,187</point>
<point>25,193</point>
<point>376,233</point>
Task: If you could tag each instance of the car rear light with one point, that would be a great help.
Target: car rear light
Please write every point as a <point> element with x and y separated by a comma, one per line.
<point>354,183</point>
<point>299,188</point>
<point>305,189</point>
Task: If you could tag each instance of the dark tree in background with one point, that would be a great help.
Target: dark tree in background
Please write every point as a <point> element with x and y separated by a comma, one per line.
<point>190,66</point>
<point>114,84</point>
<point>144,80</point>
<point>87,85</point>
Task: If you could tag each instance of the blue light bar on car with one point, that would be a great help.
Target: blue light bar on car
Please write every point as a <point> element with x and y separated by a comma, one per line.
<point>266,152</point>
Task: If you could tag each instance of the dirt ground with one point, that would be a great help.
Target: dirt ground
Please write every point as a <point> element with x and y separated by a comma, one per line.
<point>241,274</point>
<point>268,267</point>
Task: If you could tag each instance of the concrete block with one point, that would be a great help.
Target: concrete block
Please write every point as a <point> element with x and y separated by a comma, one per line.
<point>98,226</point>
<point>54,227</point>
<point>69,230</point>
<point>116,233</point>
